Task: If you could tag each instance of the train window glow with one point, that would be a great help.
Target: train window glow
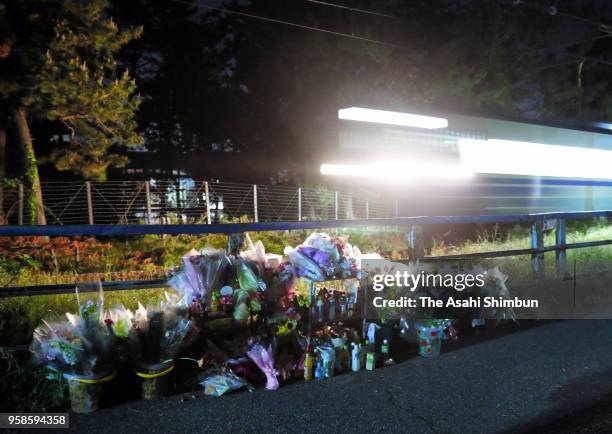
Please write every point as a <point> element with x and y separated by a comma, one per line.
<point>391,118</point>
<point>397,172</point>
<point>534,159</point>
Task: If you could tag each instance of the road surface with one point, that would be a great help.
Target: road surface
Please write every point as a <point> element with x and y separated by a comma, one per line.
<point>529,380</point>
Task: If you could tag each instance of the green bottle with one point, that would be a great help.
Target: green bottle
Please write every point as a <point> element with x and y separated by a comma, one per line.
<point>384,350</point>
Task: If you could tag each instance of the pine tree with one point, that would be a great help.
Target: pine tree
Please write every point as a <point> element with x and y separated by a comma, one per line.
<point>61,68</point>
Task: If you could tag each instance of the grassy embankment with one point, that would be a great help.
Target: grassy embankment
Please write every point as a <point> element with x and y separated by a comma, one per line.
<point>150,257</point>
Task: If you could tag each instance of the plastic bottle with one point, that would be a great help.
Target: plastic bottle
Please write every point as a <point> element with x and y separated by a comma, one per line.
<point>356,358</point>
<point>313,311</point>
<point>384,350</point>
<point>404,328</point>
<point>319,372</point>
<point>370,357</point>
<point>351,310</point>
<point>343,306</point>
<point>345,364</point>
<point>332,309</point>
<point>328,368</point>
<point>320,306</point>
<point>308,366</point>
<point>214,301</point>
<point>363,349</point>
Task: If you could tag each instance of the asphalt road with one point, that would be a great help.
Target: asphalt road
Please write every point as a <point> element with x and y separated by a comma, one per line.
<point>530,380</point>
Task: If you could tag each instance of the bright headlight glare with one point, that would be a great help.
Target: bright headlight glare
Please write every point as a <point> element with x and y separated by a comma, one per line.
<point>397,171</point>
<point>534,159</point>
<point>391,118</point>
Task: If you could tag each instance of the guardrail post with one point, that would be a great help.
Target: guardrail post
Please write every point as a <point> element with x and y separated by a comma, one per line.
<point>255,210</point>
<point>299,204</point>
<point>89,202</point>
<point>560,241</point>
<point>415,250</point>
<point>367,209</point>
<point>20,205</point>
<point>208,219</point>
<point>148,198</point>
<point>537,242</point>
<point>336,206</point>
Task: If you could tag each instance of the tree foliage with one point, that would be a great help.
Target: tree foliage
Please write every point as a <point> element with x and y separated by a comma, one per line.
<point>63,69</point>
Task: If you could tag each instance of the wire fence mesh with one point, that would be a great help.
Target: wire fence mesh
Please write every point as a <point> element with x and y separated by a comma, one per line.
<point>187,201</point>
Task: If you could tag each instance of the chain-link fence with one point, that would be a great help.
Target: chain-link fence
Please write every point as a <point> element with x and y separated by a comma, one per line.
<point>188,201</point>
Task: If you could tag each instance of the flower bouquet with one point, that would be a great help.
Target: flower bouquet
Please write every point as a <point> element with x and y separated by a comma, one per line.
<point>82,349</point>
<point>322,257</point>
<point>264,360</point>
<point>156,336</point>
<point>202,273</point>
<point>247,297</point>
<point>256,253</point>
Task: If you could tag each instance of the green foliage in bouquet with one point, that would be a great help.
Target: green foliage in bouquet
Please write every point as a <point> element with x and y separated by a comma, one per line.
<point>83,345</point>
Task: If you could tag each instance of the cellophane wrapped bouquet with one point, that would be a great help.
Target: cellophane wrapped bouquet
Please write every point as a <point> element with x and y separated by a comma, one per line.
<point>83,345</point>
<point>322,257</point>
<point>157,334</point>
<point>247,297</point>
<point>264,359</point>
<point>200,274</point>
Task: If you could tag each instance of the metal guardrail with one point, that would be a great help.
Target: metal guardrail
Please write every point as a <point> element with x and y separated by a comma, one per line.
<point>539,224</point>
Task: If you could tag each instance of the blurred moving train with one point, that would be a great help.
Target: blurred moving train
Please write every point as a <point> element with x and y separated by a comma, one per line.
<point>445,164</point>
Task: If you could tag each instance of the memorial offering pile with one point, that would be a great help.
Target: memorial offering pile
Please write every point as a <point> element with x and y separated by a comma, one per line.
<point>237,319</point>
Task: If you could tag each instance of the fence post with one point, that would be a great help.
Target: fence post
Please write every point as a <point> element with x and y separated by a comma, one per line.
<point>537,242</point>
<point>299,204</point>
<point>89,203</point>
<point>20,210</point>
<point>208,219</point>
<point>367,209</point>
<point>396,208</point>
<point>148,198</point>
<point>560,241</point>
<point>255,210</point>
<point>336,206</point>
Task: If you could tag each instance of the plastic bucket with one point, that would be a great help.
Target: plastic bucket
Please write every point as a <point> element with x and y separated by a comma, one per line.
<point>430,341</point>
<point>85,391</point>
<point>155,379</point>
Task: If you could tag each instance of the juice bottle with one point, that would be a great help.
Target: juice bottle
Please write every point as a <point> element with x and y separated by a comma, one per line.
<point>308,366</point>
<point>214,301</point>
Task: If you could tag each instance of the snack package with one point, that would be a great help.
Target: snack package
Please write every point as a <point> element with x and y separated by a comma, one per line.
<point>222,383</point>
